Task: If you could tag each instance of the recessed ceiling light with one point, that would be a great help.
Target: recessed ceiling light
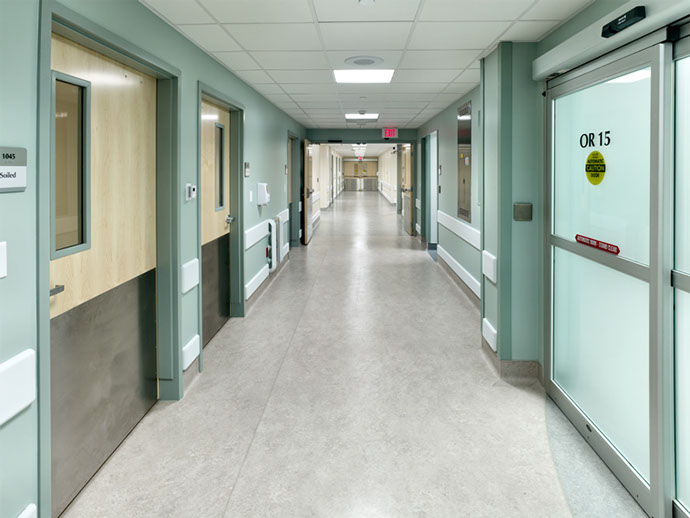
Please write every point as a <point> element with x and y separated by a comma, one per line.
<point>363,76</point>
<point>209,117</point>
<point>362,116</point>
<point>464,117</point>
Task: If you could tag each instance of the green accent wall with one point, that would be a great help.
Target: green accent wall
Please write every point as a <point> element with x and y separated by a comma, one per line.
<point>18,330</point>
<point>265,128</point>
<point>446,123</point>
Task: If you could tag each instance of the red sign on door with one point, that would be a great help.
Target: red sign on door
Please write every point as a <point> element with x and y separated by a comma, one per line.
<point>599,245</point>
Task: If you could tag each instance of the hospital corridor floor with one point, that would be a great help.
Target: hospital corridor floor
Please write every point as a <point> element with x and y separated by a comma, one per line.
<point>355,387</point>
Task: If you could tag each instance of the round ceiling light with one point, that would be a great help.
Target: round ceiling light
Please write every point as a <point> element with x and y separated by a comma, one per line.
<point>364,61</point>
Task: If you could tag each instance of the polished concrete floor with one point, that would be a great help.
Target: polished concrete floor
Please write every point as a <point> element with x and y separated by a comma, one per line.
<point>355,387</point>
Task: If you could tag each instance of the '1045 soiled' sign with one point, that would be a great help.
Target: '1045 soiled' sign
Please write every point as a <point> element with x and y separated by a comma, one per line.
<point>12,169</point>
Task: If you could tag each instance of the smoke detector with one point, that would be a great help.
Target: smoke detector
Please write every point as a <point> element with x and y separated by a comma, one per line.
<point>364,61</point>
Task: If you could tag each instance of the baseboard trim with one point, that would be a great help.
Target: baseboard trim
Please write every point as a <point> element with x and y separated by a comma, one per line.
<point>265,285</point>
<point>464,287</point>
<point>515,372</point>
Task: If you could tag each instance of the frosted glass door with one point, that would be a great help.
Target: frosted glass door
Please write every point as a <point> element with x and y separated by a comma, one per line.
<point>601,177</point>
<point>682,345</point>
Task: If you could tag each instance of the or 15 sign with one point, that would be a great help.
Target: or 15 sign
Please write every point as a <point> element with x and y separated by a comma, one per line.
<point>390,132</point>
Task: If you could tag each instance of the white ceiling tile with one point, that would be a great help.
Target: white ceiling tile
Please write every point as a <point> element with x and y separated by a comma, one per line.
<point>278,98</point>
<point>352,11</point>
<point>446,97</point>
<point>291,60</point>
<point>284,36</point>
<point>210,37</point>
<point>438,59</point>
<point>365,36</point>
<point>302,76</point>
<point>305,105</point>
<point>269,89</point>
<point>417,87</point>
<point>356,91</point>
<point>258,11</point>
<point>472,75</point>
<point>255,76</point>
<point>390,58</point>
<point>309,88</point>
<point>179,11</point>
<point>456,35</point>
<point>475,64</point>
<point>237,60</point>
<point>528,31</point>
<point>425,76</point>
<point>556,9</point>
<point>473,10</point>
<point>314,98</point>
<point>459,88</point>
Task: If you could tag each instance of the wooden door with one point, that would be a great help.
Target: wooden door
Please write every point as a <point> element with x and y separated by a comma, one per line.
<point>215,213</point>
<point>103,260</point>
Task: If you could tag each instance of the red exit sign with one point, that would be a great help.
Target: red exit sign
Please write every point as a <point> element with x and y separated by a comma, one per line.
<point>390,132</point>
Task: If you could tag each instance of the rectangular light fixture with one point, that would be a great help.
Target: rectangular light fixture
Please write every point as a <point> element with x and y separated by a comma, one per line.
<point>464,117</point>
<point>363,76</point>
<point>361,117</point>
<point>209,117</point>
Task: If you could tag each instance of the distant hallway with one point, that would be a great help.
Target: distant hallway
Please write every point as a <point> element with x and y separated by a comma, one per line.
<point>355,387</point>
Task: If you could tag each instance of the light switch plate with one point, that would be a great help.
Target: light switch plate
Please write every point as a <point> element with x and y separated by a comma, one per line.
<point>3,259</point>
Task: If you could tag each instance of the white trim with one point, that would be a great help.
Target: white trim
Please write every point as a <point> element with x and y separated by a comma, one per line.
<point>383,193</point>
<point>315,216</point>
<point>418,228</point>
<point>386,184</point>
<point>490,334</point>
<point>30,511</point>
<point>284,216</point>
<point>284,251</point>
<point>418,203</point>
<point>461,229</point>
<point>316,196</point>
<point>190,275</point>
<point>255,282</point>
<point>17,384</point>
<point>466,276</point>
<point>489,266</point>
<point>255,234</point>
<point>300,206</point>
<point>300,233</point>
<point>190,352</point>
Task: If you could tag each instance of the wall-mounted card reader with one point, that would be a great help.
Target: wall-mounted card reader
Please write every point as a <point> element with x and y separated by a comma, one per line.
<point>263,196</point>
<point>522,211</point>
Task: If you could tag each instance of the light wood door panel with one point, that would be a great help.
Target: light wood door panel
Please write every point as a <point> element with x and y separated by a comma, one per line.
<point>122,177</point>
<point>213,223</point>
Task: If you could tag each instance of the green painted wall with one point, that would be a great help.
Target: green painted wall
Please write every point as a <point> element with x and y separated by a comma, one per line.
<point>491,118</point>
<point>19,436</point>
<point>513,173</point>
<point>265,127</point>
<point>446,123</point>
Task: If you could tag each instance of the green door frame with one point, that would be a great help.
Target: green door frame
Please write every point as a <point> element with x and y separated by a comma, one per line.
<point>55,17</point>
<point>236,202</point>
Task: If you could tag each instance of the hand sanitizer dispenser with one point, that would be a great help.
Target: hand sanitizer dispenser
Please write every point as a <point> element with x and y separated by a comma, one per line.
<point>263,195</point>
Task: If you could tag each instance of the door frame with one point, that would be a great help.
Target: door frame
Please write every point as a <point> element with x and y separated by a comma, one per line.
<point>431,184</point>
<point>55,17</point>
<point>656,497</point>
<point>235,201</point>
<point>293,140</point>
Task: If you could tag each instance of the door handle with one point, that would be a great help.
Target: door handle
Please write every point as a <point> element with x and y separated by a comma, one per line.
<point>229,219</point>
<point>59,288</point>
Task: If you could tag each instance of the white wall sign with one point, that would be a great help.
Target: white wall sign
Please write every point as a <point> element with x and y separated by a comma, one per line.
<point>12,169</point>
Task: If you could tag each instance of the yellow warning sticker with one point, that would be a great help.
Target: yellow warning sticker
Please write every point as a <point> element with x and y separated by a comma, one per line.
<point>595,168</point>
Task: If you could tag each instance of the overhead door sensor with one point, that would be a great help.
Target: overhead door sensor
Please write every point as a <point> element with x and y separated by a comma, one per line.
<point>623,22</point>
